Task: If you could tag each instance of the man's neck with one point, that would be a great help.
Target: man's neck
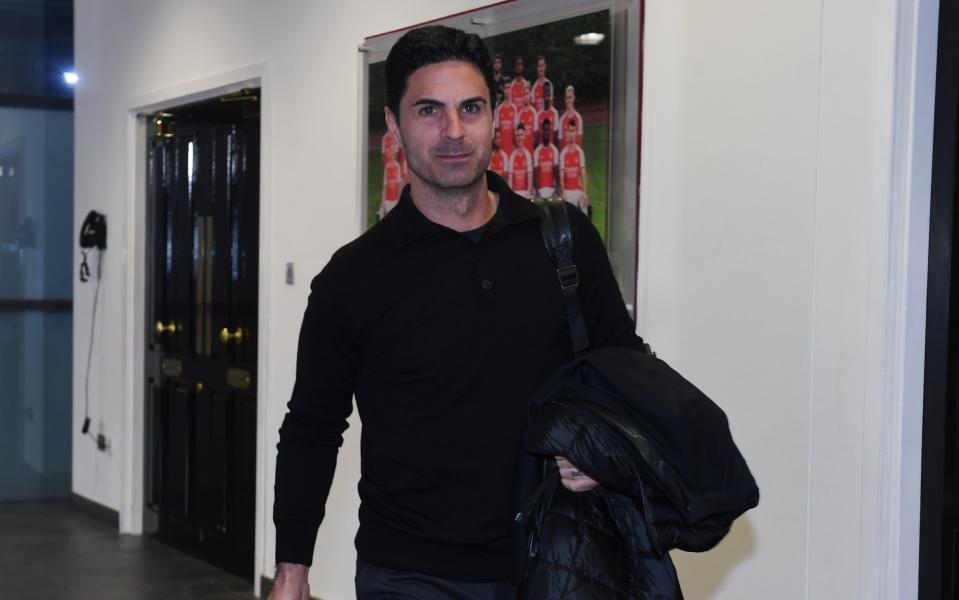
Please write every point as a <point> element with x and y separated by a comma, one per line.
<point>461,210</point>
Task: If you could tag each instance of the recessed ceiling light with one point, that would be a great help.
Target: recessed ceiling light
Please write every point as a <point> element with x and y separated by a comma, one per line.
<point>589,39</point>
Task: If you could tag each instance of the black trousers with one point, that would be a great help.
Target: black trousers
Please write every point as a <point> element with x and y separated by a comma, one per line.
<point>380,583</point>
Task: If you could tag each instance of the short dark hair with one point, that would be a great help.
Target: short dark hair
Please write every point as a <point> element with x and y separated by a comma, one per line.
<point>430,45</point>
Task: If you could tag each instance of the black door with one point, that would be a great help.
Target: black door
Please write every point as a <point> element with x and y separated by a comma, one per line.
<point>939,517</point>
<point>203,178</point>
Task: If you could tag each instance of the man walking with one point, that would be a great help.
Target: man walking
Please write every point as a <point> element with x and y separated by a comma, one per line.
<point>441,319</point>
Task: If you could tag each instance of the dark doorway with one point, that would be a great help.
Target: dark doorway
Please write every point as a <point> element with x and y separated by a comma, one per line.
<point>203,235</point>
<point>939,518</point>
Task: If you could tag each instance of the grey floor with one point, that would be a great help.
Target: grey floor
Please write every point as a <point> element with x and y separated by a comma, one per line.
<point>52,551</point>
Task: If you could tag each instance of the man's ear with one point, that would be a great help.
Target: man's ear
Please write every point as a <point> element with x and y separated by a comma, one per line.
<point>392,124</point>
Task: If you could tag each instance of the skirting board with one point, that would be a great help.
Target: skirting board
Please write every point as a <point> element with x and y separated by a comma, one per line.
<point>101,513</point>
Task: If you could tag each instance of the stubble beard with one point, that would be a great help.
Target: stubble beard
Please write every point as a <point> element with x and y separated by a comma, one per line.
<point>454,183</point>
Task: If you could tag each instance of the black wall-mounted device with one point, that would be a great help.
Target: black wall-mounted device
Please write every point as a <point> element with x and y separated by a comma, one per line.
<point>93,234</point>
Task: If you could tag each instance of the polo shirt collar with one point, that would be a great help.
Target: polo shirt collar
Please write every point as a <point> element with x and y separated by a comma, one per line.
<point>406,223</point>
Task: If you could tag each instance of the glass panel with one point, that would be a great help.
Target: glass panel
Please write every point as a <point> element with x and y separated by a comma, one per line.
<point>37,47</point>
<point>37,238</point>
<point>36,404</point>
<point>36,204</point>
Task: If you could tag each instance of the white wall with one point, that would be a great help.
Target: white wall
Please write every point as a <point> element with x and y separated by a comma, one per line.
<point>766,242</point>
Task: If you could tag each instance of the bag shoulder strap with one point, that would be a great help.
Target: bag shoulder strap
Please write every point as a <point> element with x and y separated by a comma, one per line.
<point>558,238</point>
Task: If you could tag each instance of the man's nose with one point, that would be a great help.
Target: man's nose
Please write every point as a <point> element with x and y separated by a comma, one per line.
<point>454,126</point>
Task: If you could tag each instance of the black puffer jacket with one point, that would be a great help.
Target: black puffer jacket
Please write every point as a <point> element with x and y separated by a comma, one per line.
<point>672,478</point>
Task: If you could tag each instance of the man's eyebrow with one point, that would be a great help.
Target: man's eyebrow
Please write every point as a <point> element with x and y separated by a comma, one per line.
<point>427,102</point>
<point>434,102</point>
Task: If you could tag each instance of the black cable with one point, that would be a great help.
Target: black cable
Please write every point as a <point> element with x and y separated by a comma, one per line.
<point>93,323</point>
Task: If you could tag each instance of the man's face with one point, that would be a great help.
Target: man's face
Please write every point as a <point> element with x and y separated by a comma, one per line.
<point>445,124</point>
<point>541,68</point>
<point>518,66</point>
<point>497,64</point>
<point>496,139</point>
<point>547,128</point>
<point>571,133</point>
<point>570,98</point>
<point>520,137</point>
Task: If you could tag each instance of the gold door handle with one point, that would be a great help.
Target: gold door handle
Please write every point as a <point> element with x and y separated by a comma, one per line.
<point>237,336</point>
<point>167,328</point>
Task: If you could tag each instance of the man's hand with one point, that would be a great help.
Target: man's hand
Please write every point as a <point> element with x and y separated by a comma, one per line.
<point>572,478</point>
<point>290,582</point>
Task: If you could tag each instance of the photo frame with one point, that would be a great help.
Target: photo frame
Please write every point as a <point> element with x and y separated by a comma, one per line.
<point>575,63</point>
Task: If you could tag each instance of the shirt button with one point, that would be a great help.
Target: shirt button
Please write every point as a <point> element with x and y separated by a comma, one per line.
<point>487,285</point>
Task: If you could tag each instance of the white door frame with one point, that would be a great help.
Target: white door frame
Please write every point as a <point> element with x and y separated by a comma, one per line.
<point>902,343</point>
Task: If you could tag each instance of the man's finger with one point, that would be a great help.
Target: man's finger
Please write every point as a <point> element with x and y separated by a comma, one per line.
<point>583,484</point>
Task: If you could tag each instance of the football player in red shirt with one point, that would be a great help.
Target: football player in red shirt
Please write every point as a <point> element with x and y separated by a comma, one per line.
<point>393,181</point>
<point>548,113</point>
<point>499,160</point>
<point>546,163</point>
<point>521,166</point>
<point>570,115</point>
<point>504,120</point>
<point>539,93</point>
<point>519,85</point>
<point>526,116</point>
<point>388,147</point>
<point>572,161</point>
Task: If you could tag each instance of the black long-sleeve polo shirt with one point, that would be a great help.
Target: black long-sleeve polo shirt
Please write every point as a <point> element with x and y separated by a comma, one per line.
<point>442,340</point>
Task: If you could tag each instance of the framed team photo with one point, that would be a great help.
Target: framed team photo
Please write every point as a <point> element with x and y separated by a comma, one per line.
<point>566,121</point>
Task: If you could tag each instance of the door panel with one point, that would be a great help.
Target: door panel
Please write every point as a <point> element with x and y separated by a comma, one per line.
<point>177,437</point>
<point>203,170</point>
<point>242,486</point>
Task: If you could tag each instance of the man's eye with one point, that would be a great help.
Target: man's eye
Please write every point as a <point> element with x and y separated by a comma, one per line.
<point>428,110</point>
<point>471,108</point>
